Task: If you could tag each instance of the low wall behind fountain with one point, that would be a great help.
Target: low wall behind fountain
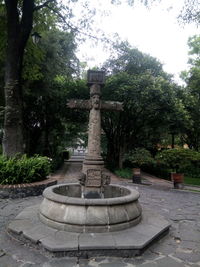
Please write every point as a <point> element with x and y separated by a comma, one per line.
<point>64,208</point>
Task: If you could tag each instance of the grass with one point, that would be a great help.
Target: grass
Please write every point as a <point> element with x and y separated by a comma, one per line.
<point>193,190</point>
<point>127,174</point>
<point>191,181</point>
<point>124,173</point>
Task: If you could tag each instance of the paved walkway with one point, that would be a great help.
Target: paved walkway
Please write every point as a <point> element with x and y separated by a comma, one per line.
<point>180,248</point>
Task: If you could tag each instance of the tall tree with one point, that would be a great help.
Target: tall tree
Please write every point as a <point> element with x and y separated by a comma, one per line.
<point>46,91</point>
<point>148,95</point>
<point>19,18</point>
<point>191,96</point>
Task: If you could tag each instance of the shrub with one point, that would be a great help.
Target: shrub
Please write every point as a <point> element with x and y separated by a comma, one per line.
<point>125,173</point>
<point>23,170</point>
<point>139,158</point>
<point>179,160</point>
<point>158,171</point>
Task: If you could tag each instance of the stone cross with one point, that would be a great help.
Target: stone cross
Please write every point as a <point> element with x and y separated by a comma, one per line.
<point>93,163</point>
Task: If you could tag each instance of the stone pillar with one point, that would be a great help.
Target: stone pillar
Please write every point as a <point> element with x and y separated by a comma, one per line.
<point>93,159</point>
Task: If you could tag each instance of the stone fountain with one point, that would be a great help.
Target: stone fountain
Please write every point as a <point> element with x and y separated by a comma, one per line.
<point>93,208</point>
<point>93,205</point>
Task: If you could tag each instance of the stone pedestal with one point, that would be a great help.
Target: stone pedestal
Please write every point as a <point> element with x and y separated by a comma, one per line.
<point>89,163</point>
<point>136,175</point>
<point>93,163</point>
<point>178,180</point>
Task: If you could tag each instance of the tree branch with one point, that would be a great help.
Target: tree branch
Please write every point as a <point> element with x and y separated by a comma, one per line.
<point>26,21</point>
<point>75,29</point>
<point>43,5</point>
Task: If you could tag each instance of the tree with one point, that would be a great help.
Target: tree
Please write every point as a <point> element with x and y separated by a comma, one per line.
<point>191,96</point>
<point>190,12</point>
<point>148,98</point>
<point>19,19</point>
<point>47,121</point>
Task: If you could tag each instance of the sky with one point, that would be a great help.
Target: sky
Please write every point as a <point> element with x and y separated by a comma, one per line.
<point>154,31</point>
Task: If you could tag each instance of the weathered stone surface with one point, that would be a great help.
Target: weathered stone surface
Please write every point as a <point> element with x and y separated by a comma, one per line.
<point>117,214</point>
<point>96,241</point>
<point>61,241</point>
<point>38,232</point>
<point>93,162</point>
<point>27,213</point>
<point>60,262</point>
<point>97,215</point>
<point>93,178</point>
<point>129,241</point>
<point>18,226</point>
<point>118,210</point>
<point>79,104</point>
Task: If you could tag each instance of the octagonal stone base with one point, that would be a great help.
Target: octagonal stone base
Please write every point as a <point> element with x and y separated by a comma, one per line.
<point>125,243</point>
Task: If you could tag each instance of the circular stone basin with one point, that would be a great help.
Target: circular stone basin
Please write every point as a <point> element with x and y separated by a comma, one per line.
<point>64,209</point>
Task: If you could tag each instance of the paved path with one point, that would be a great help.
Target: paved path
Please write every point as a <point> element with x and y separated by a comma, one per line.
<point>180,248</point>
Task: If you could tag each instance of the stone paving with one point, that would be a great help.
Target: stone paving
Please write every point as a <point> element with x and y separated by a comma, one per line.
<point>181,247</point>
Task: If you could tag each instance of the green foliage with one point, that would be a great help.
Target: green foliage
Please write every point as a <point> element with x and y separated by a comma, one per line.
<point>150,105</point>
<point>140,157</point>
<point>49,125</point>
<point>158,170</point>
<point>191,181</point>
<point>57,161</point>
<point>179,160</point>
<point>23,170</point>
<point>191,96</point>
<point>124,173</point>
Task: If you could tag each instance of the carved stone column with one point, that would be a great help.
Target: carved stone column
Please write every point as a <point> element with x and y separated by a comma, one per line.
<point>94,179</point>
<point>93,159</point>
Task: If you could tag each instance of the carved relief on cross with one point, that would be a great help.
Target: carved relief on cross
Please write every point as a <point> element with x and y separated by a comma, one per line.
<point>95,105</point>
<point>93,160</point>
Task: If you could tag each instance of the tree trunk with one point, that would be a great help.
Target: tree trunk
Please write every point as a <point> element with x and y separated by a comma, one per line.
<point>13,124</point>
<point>18,31</point>
<point>121,154</point>
<point>112,158</point>
<point>173,140</point>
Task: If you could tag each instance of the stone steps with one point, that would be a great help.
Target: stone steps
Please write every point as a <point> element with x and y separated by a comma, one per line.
<point>76,158</point>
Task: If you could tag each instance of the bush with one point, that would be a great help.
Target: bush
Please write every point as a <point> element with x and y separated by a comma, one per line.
<point>158,171</point>
<point>23,170</point>
<point>139,158</point>
<point>179,159</point>
<point>125,173</point>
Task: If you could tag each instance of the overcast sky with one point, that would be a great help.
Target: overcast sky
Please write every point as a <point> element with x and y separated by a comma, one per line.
<point>155,31</point>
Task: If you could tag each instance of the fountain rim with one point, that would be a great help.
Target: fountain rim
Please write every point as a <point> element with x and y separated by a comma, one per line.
<point>48,193</point>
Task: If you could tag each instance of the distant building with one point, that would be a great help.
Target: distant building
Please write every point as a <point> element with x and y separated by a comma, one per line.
<point>79,148</point>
